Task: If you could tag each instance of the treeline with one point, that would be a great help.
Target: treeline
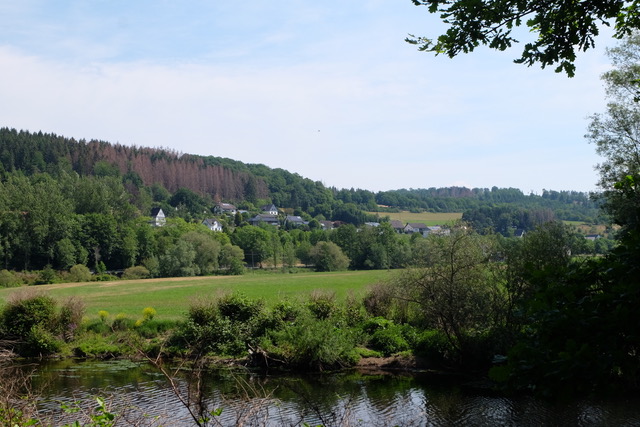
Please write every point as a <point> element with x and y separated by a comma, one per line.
<point>223,179</point>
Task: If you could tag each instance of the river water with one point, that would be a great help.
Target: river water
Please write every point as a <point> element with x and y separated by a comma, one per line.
<point>141,395</point>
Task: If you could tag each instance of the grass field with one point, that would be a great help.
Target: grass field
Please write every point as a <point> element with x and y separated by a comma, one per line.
<point>427,218</point>
<point>171,297</point>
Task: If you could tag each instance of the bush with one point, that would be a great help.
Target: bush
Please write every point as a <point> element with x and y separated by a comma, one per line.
<point>137,272</point>
<point>70,317</point>
<point>322,304</point>
<point>79,273</point>
<point>389,340</point>
<point>8,279</point>
<point>435,346</point>
<point>239,308</point>
<point>123,323</point>
<point>28,309</point>
<point>312,343</point>
<point>46,276</point>
<point>40,342</point>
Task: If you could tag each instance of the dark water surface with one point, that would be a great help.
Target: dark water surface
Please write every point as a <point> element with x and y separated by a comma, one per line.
<point>141,395</point>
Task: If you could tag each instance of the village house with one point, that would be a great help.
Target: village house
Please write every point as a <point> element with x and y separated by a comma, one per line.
<point>294,221</point>
<point>157,217</point>
<point>269,209</point>
<point>326,225</point>
<point>225,208</point>
<point>212,224</point>
<point>397,225</point>
<point>265,218</point>
<point>416,227</point>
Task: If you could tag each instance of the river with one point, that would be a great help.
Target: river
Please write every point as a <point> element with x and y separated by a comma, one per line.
<point>141,395</point>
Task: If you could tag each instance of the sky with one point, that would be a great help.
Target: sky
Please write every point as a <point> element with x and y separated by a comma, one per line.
<point>329,90</point>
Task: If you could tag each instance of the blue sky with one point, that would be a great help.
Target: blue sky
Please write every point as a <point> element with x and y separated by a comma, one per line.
<point>328,90</point>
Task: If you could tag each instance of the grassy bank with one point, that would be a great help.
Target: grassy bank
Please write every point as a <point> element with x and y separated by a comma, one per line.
<point>171,297</point>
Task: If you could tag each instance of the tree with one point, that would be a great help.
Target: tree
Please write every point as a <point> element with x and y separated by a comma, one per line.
<point>560,28</point>
<point>254,241</point>
<point>453,289</point>
<point>327,256</point>
<point>616,134</point>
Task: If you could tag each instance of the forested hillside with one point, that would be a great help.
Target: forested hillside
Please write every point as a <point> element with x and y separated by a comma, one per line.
<point>65,202</point>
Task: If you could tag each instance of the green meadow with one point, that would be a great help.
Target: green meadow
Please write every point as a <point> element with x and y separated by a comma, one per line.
<point>171,297</point>
<point>427,218</point>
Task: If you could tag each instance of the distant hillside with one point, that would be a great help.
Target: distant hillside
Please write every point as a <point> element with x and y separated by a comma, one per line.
<point>41,152</point>
<point>222,179</point>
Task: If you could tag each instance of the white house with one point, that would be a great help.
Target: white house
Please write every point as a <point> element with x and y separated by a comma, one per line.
<point>157,217</point>
<point>212,224</point>
<point>269,209</point>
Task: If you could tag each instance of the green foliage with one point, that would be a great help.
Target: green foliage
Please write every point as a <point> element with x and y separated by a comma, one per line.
<point>8,279</point>
<point>559,29</point>
<point>389,340</point>
<point>99,417</point>
<point>46,276</point>
<point>136,272</point>
<point>322,304</point>
<point>123,323</point>
<point>327,256</point>
<point>39,341</point>
<point>240,308</point>
<point>27,310</point>
<point>313,344</point>
<point>79,273</point>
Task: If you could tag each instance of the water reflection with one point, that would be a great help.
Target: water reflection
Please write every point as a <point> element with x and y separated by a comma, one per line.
<point>141,395</point>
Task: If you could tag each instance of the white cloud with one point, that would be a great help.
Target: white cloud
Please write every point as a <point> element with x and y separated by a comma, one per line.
<point>352,106</point>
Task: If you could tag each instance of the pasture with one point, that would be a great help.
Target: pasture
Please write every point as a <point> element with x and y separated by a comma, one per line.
<point>427,218</point>
<point>171,296</point>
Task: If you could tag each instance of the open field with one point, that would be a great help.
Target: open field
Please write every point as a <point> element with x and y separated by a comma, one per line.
<point>171,297</point>
<point>427,218</point>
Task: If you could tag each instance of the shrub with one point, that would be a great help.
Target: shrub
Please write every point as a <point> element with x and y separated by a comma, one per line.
<point>70,317</point>
<point>8,279</point>
<point>40,342</point>
<point>322,304</point>
<point>79,273</point>
<point>239,308</point>
<point>435,346</point>
<point>123,323</point>
<point>46,276</point>
<point>137,272</point>
<point>312,343</point>
<point>27,309</point>
<point>389,340</point>
<point>284,312</point>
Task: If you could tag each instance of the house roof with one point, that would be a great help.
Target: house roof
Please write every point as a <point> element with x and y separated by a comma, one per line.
<point>326,224</point>
<point>416,225</point>
<point>264,218</point>
<point>267,208</point>
<point>156,211</point>
<point>226,206</point>
<point>396,223</point>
